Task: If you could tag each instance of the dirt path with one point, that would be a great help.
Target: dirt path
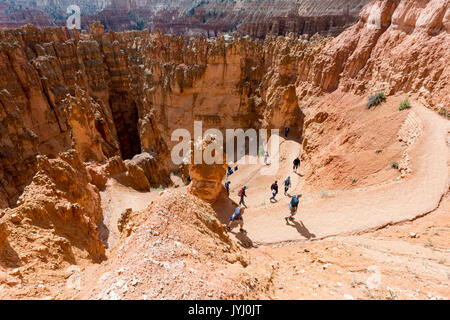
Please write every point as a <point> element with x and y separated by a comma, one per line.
<point>320,216</point>
<point>340,266</point>
<point>350,211</point>
<point>116,199</point>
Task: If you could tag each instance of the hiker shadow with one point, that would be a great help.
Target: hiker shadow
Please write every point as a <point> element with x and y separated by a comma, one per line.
<point>299,174</point>
<point>301,229</point>
<point>244,240</point>
<point>224,208</point>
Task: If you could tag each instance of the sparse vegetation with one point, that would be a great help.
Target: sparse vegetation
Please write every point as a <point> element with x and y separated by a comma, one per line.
<point>378,150</point>
<point>394,165</point>
<point>444,113</point>
<point>353,180</point>
<point>405,104</point>
<point>140,25</point>
<point>392,294</point>
<point>375,99</point>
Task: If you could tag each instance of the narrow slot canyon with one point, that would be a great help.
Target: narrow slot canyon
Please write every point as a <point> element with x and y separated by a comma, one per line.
<point>125,115</point>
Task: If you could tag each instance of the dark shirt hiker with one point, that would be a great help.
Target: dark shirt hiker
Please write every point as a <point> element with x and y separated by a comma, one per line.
<point>274,189</point>
<point>296,163</point>
<point>227,186</point>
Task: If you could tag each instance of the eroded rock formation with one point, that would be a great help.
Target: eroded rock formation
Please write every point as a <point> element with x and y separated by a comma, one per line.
<point>57,217</point>
<point>138,87</point>
<point>207,178</point>
<point>79,108</point>
<point>256,18</point>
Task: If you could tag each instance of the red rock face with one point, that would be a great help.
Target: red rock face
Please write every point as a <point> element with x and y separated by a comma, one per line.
<point>60,199</point>
<point>59,92</point>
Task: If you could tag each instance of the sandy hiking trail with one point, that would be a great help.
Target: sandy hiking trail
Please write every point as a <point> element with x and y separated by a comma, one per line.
<point>350,211</point>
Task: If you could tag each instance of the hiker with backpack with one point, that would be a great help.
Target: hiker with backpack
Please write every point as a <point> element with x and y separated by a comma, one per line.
<point>296,164</point>
<point>274,189</point>
<point>241,194</point>
<point>229,171</point>
<point>293,206</point>
<point>237,216</point>
<point>286,132</point>
<point>227,186</point>
<point>287,184</point>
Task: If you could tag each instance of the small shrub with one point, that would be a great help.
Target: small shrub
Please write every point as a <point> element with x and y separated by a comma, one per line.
<point>378,150</point>
<point>353,180</point>
<point>444,113</point>
<point>394,164</point>
<point>405,104</point>
<point>375,99</point>
<point>392,294</point>
<point>140,25</point>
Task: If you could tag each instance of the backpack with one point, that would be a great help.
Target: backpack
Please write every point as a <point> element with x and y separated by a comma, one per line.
<point>240,192</point>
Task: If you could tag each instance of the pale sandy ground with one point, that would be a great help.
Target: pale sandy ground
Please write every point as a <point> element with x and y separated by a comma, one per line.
<point>351,211</point>
<point>386,241</point>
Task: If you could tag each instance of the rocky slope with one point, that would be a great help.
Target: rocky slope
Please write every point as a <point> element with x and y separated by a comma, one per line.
<point>56,221</point>
<point>77,109</point>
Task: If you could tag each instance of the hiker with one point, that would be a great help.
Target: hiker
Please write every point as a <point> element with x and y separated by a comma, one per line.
<point>266,156</point>
<point>242,194</point>
<point>274,188</point>
<point>287,184</point>
<point>227,186</point>
<point>296,164</point>
<point>236,168</point>
<point>237,216</point>
<point>286,132</point>
<point>293,206</point>
<point>189,179</point>
<point>229,171</point>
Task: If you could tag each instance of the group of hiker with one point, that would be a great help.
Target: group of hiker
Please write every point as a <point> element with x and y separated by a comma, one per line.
<point>293,203</point>
<point>230,171</point>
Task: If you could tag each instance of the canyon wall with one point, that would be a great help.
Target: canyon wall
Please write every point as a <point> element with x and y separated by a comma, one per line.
<point>60,91</point>
<point>256,18</point>
<point>120,94</point>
